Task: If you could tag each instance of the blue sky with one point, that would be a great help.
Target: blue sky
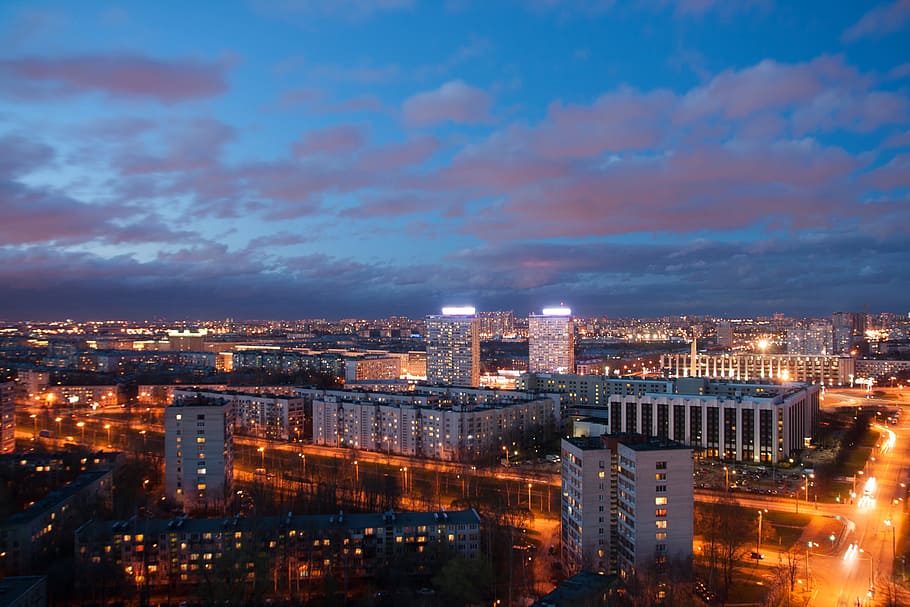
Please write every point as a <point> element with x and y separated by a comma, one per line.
<point>294,158</point>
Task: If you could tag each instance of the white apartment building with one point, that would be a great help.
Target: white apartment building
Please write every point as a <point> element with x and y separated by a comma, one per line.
<point>813,369</point>
<point>551,341</point>
<point>199,453</point>
<point>264,415</point>
<point>412,425</point>
<point>453,347</point>
<point>7,417</point>
<point>627,504</point>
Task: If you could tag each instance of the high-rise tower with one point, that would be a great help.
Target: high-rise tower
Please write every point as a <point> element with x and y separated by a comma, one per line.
<point>453,347</point>
<point>551,341</point>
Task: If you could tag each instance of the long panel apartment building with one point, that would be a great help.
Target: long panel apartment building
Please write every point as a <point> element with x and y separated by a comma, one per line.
<point>272,416</point>
<point>460,424</point>
<point>292,553</point>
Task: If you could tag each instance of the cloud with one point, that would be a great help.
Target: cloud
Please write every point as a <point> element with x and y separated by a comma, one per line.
<point>343,9</point>
<point>333,140</point>
<point>122,76</point>
<point>454,101</point>
<point>882,20</point>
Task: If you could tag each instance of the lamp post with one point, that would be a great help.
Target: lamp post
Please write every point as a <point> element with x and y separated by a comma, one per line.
<point>59,421</point>
<point>81,426</point>
<point>356,471</point>
<point>302,457</point>
<point>504,448</point>
<point>758,543</point>
<point>529,496</point>
<point>261,451</point>
<point>893,545</point>
<point>35,423</point>
<point>108,428</point>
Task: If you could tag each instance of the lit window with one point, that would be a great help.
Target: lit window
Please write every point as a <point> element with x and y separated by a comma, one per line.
<point>660,501</point>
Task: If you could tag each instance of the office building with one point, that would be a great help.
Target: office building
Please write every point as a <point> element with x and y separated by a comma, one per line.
<point>291,553</point>
<point>7,417</point>
<point>551,341</point>
<point>814,369</point>
<point>453,347</point>
<point>199,453</point>
<point>849,329</point>
<point>627,505</point>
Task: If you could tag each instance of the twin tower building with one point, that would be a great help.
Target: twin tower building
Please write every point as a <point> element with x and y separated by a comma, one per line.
<point>453,345</point>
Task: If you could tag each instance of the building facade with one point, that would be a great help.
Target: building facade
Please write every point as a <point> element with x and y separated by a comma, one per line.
<point>272,416</point>
<point>453,348</point>
<point>814,369</point>
<point>7,417</point>
<point>292,554</point>
<point>814,338</point>
<point>627,505</point>
<point>551,341</point>
<point>442,426</point>
<point>199,454</point>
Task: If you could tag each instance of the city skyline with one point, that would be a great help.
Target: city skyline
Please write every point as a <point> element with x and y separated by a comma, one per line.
<point>296,159</point>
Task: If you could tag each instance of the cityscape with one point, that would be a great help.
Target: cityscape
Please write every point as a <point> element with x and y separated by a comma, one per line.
<point>526,303</point>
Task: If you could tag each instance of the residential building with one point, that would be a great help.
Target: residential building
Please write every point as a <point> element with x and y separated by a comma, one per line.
<point>460,424</point>
<point>453,347</point>
<point>627,505</point>
<point>292,553</point>
<point>31,537</point>
<point>273,416</point>
<point>724,335</point>
<point>497,324</point>
<point>551,341</point>
<point>7,417</point>
<point>813,337</point>
<point>199,453</point>
<point>23,591</point>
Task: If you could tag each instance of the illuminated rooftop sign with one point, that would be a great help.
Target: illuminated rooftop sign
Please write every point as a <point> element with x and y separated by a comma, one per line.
<point>458,311</point>
<point>557,311</point>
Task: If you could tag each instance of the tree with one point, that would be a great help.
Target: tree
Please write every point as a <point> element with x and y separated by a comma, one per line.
<point>464,582</point>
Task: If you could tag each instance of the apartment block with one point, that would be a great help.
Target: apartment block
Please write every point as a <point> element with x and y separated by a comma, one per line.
<point>199,453</point>
<point>453,347</point>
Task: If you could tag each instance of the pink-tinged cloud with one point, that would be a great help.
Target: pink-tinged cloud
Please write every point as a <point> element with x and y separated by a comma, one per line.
<point>454,101</point>
<point>118,76</point>
<point>20,156</point>
<point>341,139</point>
<point>768,85</point>
<point>400,155</point>
<point>187,146</point>
<point>897,140</point>
<point>893,175</point>
<point>860,111</point>
<point>880,21</point>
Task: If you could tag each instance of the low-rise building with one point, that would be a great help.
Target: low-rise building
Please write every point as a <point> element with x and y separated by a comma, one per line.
<point>291,552</point>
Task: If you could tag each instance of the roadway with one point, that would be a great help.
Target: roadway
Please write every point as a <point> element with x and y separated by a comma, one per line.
<point>861,572</point>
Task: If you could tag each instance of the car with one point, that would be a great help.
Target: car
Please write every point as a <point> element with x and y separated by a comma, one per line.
<point>756,555</point>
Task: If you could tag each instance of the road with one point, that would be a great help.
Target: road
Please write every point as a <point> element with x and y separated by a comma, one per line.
<point>862,574</point>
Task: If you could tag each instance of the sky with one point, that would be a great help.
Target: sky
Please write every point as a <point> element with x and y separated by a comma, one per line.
<point>366,158</point>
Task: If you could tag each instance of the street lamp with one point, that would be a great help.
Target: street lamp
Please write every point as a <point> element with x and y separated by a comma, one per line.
<point>81,426</point>
<point>758,543</point>
<point>108,428</point>
<point>356,471</point>
<point>35,422</point>
<point>261,451</point>
<point>59,421</point>
<point>529,496</point>
<point>302,457</point>
<point>893,545</point>
<point>504,448</point>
